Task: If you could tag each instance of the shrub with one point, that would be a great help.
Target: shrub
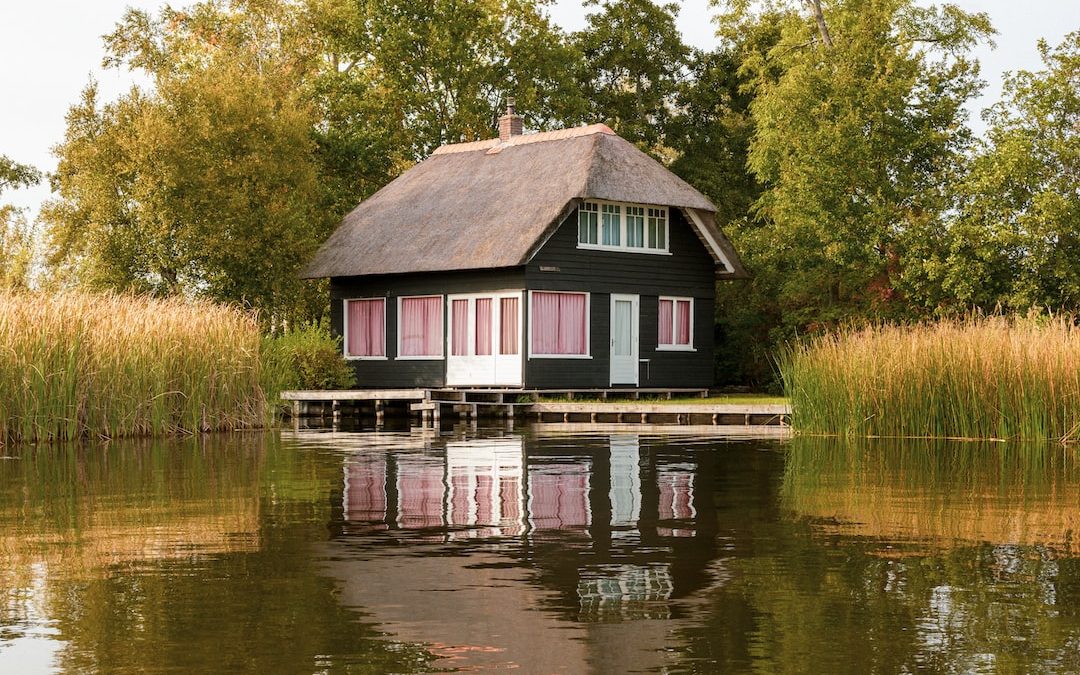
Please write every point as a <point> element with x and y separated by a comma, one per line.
<point>306,357</point>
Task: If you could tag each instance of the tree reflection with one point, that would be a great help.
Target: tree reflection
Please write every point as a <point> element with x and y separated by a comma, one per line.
<point>188,555</point>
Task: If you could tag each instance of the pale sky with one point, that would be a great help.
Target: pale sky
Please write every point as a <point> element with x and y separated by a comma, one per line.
<point>50,48</point>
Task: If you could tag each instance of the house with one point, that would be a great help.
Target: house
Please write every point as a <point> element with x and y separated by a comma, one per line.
<point>554,260</point>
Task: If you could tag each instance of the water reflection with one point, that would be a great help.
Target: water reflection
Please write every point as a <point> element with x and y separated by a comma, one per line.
<point>538,556</point>
<point>414,551</point>
<point>178,555</point>
<point>935,494</point>
<point>489,488</point>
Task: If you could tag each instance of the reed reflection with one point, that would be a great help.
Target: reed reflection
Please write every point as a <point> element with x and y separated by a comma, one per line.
<point>937,493</point>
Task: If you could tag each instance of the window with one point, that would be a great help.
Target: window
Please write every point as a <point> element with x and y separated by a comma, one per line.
<point>657,229</point>
<point>420,327</point>
<point>365,328</point>
<point>559,324</point>
<point>587,223</point>
<point>611,224</point>
<point>676,324</point>
<point>508,317</point>
<point>623,227</point>
<point>459,334</point>
<point>635,226</point>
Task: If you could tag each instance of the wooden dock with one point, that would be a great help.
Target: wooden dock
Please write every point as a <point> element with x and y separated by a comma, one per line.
<point>580,406</point>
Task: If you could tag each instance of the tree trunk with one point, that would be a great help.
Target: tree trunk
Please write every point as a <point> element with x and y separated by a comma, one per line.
<point>819,16</point>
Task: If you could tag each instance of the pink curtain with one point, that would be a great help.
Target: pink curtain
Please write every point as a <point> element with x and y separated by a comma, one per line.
<point>510,505</point>
<point>682,322</point>
<point>366,482</point>
<point>558,323</point>
<point>559,497</point>
<point>421,326</point>
<point>666,336</point>
<point>459,339</point>
<point>366,327</point>
<point>508,315</point>
<point>483,326</point>
<point>421,493</point>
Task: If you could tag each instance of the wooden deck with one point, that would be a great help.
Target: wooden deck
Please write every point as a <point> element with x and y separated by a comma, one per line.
<point>431,406</point>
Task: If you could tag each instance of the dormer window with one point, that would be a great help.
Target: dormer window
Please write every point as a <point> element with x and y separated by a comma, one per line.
<point>617,226</point>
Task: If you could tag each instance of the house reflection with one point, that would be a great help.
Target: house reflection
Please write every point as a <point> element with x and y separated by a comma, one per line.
<point>526,553</point>
<point>489,488</point>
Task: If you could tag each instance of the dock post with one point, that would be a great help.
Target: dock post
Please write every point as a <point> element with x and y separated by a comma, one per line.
<point>644,418</point>
<point>379,414</point>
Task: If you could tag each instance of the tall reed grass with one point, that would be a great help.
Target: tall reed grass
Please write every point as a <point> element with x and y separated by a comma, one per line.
<point>980,377</point>
<point>77,364</point>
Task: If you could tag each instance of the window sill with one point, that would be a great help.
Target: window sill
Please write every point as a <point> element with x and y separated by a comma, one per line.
<point>365,358</point>
<point>419,358</point>
<point>622,249</point>
<point>675,348</point>
<point>560,356</point>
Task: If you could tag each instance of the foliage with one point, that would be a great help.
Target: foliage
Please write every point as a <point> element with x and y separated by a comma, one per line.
<point>19,248</point>
<point>76,364</point>
<point>15,175</point>
<point>18,241</point>
<point>432,72</point>
<point>633,60</point>
<point>1016,239</point>
<point>996,377</point>
<point>206,186</point>
<point>306,357</point>
<point>857,137</point>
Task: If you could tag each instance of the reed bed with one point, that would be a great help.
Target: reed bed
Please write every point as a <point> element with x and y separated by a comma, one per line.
<point>76,365</point>
<point>980,377</point>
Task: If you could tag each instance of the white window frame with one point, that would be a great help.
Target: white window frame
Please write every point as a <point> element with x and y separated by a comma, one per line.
<point>442,338</point>
<point>588,328</point>
<point>345,332</point>
<point>624,229</point>
<point>674,325</point>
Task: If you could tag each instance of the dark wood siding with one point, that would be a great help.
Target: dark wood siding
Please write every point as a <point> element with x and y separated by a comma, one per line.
<point>688,272</point>
<point>410,373</point>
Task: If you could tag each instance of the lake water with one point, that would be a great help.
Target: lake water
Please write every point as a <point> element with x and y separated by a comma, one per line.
<point>538,552</point>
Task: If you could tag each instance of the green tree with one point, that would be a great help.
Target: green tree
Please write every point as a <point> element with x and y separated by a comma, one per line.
<point>15,175</point>
<point>859,133</point>
<point>634,61</point>
<point>1016,240</point>
<point>18,238</point>
<point>205,184</point>
<point>433,72</point>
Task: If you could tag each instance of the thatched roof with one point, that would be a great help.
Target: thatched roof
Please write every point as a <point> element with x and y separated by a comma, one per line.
<point>491,204</point>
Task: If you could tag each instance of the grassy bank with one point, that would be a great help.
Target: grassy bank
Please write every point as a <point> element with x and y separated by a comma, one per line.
<point>74,365</point>
<point>997,377</point>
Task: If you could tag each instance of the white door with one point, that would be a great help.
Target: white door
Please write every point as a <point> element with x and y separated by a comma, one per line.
<point>624,339</point>
<point>483,344</point>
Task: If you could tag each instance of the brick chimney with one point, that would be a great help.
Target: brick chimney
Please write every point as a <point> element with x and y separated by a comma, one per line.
<point>510,123</point>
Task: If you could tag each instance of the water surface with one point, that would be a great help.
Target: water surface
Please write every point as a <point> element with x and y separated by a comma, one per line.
<point>540,552</point>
